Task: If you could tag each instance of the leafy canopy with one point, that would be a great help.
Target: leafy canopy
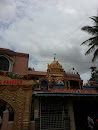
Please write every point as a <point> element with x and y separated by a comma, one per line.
<point>93,41</point>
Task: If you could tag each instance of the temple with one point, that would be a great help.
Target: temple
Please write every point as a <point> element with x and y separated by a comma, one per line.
<point>35,100</point>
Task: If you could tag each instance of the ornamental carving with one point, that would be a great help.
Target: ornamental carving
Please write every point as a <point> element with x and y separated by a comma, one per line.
<point>19,97</point>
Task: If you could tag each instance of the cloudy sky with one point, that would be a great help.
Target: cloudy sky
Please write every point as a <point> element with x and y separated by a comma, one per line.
<point>43,28</point>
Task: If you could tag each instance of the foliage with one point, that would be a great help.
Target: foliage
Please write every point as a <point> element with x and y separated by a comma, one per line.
<point>31,69</point>
<point>93,41</point>
<point>94,71</point>
<point>15,76</point>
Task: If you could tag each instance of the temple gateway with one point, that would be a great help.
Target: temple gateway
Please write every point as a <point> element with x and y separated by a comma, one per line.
<point>35,100</point>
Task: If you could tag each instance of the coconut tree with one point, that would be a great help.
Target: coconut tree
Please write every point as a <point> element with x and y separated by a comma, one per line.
<point>93,41</point>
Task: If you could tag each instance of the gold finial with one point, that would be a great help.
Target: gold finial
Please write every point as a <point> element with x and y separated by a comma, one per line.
<point>54,56</point>
<point>48,66</point>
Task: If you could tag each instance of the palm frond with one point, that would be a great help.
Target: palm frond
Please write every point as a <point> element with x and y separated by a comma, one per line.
<point>90,30</point>
<point>90,50</point>
<point>94,42</point>
<point>89,40</point>
<point>95,18</point>
<point>95,55</point>
<point>95,27</point>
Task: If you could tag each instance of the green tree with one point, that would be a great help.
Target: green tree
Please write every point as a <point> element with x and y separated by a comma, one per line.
<point>93,41</point>
<point>31,69</point>
<point>94,71</point>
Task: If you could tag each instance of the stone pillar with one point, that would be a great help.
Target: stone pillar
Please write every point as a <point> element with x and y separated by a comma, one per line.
<point>27,111</point>
<point>80,84</point>
<point>39,86</point>
<point>48,87</point>
<point>71,114</point>
<point>36,108</point>
<point>68,84</point>
<point>5,120</point>
<point>65,84</point>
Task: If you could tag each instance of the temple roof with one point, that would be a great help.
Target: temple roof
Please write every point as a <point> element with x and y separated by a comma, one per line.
<point>37,73</point>
<point>72,75</point>
<point>10,52</point>
<point>55,64</point>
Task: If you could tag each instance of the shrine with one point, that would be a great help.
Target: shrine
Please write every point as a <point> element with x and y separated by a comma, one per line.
<point>35,100</point>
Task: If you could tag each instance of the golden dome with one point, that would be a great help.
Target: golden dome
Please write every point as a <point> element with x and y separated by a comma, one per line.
<point>55,69</point>
<point>55,64</point>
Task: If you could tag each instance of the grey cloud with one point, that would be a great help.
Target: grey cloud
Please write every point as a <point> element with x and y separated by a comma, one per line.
<point>42,28</point>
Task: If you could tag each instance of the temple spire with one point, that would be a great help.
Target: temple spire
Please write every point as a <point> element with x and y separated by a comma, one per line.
<point>54,57</point>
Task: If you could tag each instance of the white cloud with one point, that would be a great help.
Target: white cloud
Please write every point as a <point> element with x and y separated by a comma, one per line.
<point>42,28</point>
<point>7,11</point>
<point>85,77</point>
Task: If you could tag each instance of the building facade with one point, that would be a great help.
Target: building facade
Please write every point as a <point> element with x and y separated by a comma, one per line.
<point>35,100</point>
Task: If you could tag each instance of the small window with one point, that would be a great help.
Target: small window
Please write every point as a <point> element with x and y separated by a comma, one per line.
<point>44,85</point>
<point>4,64</point>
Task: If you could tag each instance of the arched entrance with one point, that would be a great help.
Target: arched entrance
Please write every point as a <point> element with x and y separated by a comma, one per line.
<point>2,107</point>
<point>15,99</point>
<point>19,97</point>
<point>6,115</point>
